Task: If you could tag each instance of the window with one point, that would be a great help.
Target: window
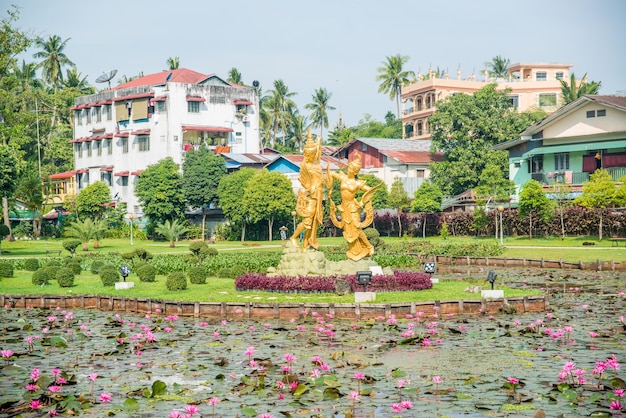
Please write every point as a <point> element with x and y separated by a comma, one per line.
<point>97,114</point>
<point>98,145</point>
<point>535,164</point>
<point>144,142</point>
<point>89,148</point>
<point>160,106</point>
<point>541,76</point>
<point>79,149</point>
<point>88,112</point>
<point>109,145</point>
<point>124,180</point>
<point>124,144</point>
<point>547,100</point>
<point>591,114</point>
<point>514,101</point>
<point>561,161</point>
<point>106,110</point>
<point>217,100</point>
<point>238,138</point>
<point>559,75</point>
<point>363,147</point>
<point>600,113</point>
<point>106,177</point>
<point>79,117</point>
<point>193,107</point>
<point>420,128</point>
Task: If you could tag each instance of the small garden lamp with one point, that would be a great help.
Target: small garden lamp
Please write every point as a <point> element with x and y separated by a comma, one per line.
<point>430,267</point>
<point>364,278</point>
<point>491,277</point>
<point>124,271</point>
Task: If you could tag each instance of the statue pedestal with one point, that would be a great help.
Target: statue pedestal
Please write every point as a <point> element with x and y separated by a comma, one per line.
<point>362,297</point>
<point>492,294</point>
<point>124,285</point>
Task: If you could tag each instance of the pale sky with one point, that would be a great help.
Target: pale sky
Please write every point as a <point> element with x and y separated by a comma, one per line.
<point>335,44</point>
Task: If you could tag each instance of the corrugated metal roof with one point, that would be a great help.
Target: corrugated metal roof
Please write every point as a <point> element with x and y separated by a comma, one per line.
<point>413,157</point>
<point>249,158</point>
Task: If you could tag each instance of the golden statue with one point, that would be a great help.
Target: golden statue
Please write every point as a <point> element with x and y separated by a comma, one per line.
<point>350,209</point>
<point>309,204</point>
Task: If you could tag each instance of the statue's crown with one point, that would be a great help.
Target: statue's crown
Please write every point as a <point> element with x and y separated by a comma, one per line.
<point>310,143</point>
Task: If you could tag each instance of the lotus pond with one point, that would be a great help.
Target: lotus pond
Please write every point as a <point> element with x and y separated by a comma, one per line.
<point>566,362</point>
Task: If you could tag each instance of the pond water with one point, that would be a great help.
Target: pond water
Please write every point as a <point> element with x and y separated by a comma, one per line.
<point>102,364</point>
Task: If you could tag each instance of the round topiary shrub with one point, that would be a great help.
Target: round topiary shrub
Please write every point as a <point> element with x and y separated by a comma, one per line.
<point>109,275</point>
<point>146,273</point>
<point>31,264</point>
<point>176,280</point>
<point>197,275</point>
<point>65,277</point>
<point>373,236</point>
<point>6,269</point>
<point>51,271</point>
<point>96,265</point>
<point>75,267</point>
<point>53,263</point>
<point>41,277</point>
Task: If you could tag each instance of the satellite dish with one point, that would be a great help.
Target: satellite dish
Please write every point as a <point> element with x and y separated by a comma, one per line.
<point>255,83</point>
<point>106,77</point>
<point>168,77</point>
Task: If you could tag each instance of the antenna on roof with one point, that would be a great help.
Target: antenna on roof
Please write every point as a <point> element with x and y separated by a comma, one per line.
<point>168,76</point>
<point>106,77</point>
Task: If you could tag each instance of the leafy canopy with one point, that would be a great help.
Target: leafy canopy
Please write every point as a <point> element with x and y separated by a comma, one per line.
<point>90,201</point>
<point>160,193</point>
<point>202,172</point>
<point>427,199</point>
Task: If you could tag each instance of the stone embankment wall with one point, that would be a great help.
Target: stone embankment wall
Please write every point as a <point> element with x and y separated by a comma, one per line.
<point>260,311</point>
<point>458,263</point>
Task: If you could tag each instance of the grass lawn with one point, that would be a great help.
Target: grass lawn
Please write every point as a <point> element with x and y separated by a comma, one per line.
<point>223,290</point>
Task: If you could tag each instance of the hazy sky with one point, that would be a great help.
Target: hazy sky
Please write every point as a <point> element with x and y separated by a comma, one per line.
<point>335,44</point>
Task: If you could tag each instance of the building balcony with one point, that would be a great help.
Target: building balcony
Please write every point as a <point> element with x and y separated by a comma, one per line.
<point>574,177</point>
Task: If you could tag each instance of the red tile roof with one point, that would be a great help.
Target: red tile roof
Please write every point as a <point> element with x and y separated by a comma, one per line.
<point>64,175</point>
<point>413,157</point>
<point>181,75</point>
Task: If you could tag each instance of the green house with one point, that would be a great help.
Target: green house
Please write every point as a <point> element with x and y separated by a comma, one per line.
<point>565,147</point>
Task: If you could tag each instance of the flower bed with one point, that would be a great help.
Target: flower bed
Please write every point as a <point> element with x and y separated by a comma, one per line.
<point>398,281</point>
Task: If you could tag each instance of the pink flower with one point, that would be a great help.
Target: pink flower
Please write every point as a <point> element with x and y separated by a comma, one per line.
<point>93,376</point>
<point>192,409</point>
<point>316,373</point>
<point>249,352</point>
<point>105,397</point>
<point>512,380</point>
<point>359,376</point>
<point>214,401</point>
<point>400,383</point>
<point>6,353</point>
<point>34,374</point>
<point>61,380</point>
<point>396,407</point>
<point>289,358</point>
<point>619,392</point>
<point>36,404</point>
<point>436,379</point>
<point>176,414</point>
<point>32,387</point>
<point>55,388</point>
<point>406,404</point>
<point>615,405</point>
<point>53,413</point>
<point>266,416</point>
<point>55,372</point>
<point>354,395</point>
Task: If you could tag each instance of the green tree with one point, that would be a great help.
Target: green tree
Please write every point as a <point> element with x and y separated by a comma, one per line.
<point>75,80</point>
<point>230,192</point>
<point>340,137</point>
<point>465,127</point>
<point>427,199</point>
<point>91,200</point>
<point>234,76</point>
<point>534,204</point>
<point>173,63</point>
<point>160,193</point>
<point>12,41</point>
<point>319,109</point>
<point>370,128</point>
<point>53,59</point>
<point>267,196</point>
<point>398,199</point>
<point>570,91</point>
<point>4,232</point>
<point>171,231</point>
<point>202,173</point>
<point>279,104</point>
<point>29,190</point>
<point>82,230</point>
<point>27,77</point>
<point>9,175</point>
<point>562,201</point>
<point>498,67</point>
<point>392,77</point>
<point>599,192</point>
<point>379,200</point>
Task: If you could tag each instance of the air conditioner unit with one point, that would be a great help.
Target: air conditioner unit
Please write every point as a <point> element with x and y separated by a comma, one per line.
<point>244,118</point>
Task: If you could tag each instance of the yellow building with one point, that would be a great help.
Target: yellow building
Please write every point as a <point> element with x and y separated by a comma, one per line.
<point>533,85</point>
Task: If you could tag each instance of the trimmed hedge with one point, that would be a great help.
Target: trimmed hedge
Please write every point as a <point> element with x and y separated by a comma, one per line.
<point>65,277</point>
<point>96,265</point>
<point>31,264</point>
<point>197,275</point>
<point>41,277</point>
<point>146,273</point>
<point>6,269</point>
<point>398,281</point>
<point>176,280</point>
<point>109,275</point>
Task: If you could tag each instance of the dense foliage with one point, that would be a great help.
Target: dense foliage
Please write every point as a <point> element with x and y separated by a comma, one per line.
<point>176,280</point>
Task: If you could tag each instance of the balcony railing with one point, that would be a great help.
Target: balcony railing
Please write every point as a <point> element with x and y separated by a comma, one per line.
<point>578,177</point>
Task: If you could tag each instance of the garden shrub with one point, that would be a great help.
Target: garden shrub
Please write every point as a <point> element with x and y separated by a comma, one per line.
<point>52,271</point>
<point>41,277</point>
<point>71,245</point>
<point>53,263</point>
<point>6,269</point>
<point>65,277</point>
<point>109,275</point>
<point>176,280</point>
<point>31,264</point>
<point>197,275</point>
<point>146,273</point>
<point>75,267</point>
<point>373,236</point>
<point>96,265</point>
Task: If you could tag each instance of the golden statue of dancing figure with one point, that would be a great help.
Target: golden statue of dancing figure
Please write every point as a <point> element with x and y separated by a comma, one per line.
<point>309,204</point>
<point>350,209</point>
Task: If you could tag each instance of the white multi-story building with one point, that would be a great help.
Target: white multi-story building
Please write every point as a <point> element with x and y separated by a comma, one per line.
<point>120,131</point>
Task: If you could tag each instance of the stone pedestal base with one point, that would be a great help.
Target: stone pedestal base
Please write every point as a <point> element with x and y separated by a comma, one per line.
<point>362,297</point>
<point>124,285</point>
<point>492,294</point>
<point>433,280</point>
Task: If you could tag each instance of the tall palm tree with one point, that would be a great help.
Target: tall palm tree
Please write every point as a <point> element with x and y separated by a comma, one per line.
<point>498,67</point>
<point>27,77</point>
<point>393,77</point>
<point>320,108</point>
<point>53,59</point>
<point>570,91</point>
<point>173,63</point>
<point>280,105</point>
<point>234,76</point>
<point>298,130</point>
<point>171,231</point>
<point>75,80</point>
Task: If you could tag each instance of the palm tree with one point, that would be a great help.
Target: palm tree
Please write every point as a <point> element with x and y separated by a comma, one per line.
<point>82,230</point>
<point>234,76</point>
<point>571,91</point>
<point>298,129</point>
<point>498,67</point>
<point>280,105</point>
<point>393,77</point>
<point>27,77</point>
<point>320,108</point>
<point>100,228</point>
<point>173,63</point>
<point>52,59</point>
<point>75,80</point>
<point>171,231</point>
